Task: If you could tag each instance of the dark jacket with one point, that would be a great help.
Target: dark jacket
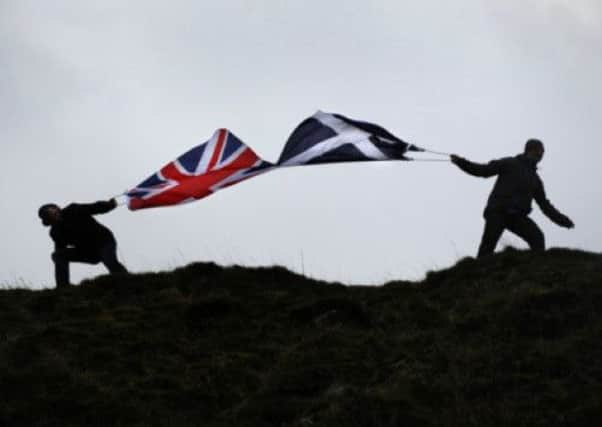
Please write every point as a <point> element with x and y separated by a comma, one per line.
<point>517,185</point>
<point>78,228</point>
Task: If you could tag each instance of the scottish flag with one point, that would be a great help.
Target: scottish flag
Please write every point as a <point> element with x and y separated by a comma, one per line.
<point>330,138</point>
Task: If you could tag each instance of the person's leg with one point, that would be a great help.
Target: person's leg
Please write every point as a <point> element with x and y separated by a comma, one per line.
<point>108,256</point>
<point>525,228</point>
<point>62,258</point>
<point>494,227</point>
<point>61,267</point>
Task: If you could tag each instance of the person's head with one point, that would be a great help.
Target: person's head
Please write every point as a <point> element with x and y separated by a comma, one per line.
<point>49,214</point>
<point>534,150</point>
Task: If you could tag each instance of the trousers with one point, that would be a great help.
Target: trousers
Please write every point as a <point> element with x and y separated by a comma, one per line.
<point>521,225</point>
<point>107,254</point>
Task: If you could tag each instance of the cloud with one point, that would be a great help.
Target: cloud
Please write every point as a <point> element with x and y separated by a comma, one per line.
<point>585,15</point>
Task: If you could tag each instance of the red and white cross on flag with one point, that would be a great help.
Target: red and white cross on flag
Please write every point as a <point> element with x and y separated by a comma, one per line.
<point>222,161</point>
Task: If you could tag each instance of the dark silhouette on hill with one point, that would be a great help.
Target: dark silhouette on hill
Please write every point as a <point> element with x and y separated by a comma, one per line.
<point>509,203</point>
<point>514,339</point>
<point>78,237</point>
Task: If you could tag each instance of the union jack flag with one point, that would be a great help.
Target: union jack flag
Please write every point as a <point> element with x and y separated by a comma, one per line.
<point>222,161</point>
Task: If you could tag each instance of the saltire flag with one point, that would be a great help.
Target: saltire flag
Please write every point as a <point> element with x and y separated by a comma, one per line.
<point>218,163</point>
<point>331,138</point>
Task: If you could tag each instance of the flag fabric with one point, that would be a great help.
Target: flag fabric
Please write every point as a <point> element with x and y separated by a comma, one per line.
<point>220,162</point>
<point>224,160</point>
<point>330,138</point>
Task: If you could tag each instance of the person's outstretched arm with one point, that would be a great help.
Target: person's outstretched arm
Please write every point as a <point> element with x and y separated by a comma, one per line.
<point>99,207</point>
<point>487,170</point>
<point>549,210</point>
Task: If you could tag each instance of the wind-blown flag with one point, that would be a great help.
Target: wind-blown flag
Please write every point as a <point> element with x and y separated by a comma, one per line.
<point>224,160</point>
<point>331,138</point>
<point>220,162</point>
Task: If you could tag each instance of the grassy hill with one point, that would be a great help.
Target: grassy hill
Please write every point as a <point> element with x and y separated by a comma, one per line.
<point>514,340</point>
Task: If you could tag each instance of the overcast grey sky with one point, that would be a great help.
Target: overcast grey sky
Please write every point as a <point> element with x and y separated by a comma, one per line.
<point>96,96</point>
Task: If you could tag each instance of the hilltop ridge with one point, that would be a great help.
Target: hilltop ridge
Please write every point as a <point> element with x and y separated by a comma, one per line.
<point>515,339</point>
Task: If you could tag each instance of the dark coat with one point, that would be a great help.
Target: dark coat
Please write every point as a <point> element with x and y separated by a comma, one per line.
<point>518,183</point>
<point>78,228</point>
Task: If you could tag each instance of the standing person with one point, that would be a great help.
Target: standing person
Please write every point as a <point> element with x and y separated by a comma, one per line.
<point>510,200</point>
<point>78,237</point>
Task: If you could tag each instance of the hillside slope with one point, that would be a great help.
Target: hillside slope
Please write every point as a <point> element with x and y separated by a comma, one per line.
<point>514,340</point>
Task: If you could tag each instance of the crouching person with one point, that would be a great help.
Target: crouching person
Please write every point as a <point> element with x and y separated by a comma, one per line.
<point>78,237</point>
